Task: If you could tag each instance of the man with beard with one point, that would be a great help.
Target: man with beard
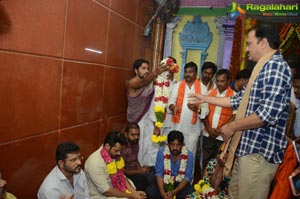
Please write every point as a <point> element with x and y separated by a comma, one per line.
<point>185,116</point>
<point>208,71</point>
<point>140,92</point>
<point>174,170</point>
<point>142,176</point>
<point>66,180</point>
<point>104,171</point>
<point>217,117</point>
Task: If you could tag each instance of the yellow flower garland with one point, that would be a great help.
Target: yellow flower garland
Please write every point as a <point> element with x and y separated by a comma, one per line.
<point>113,166</point>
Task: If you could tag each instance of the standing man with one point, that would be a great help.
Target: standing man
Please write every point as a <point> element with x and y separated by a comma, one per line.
<point>216,117</point>
<point>141,176</point>
<point>174,170</point>
<point>241,79</point>
<point>66,180</point>
<point>104,171</point>
<point>208,71</point>
<point>140,92</point>
<point>262,144</point>
<point>185,116</point>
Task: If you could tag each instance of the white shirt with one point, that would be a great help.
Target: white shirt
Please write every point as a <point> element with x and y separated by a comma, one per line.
<point>185,125</point>
<point>56,184</point>
<point>216,116</point>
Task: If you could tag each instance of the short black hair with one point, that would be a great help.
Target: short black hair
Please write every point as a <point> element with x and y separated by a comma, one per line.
<point>137,63</point>
<point>223,71</point>
<point>208,65</point>
<point>191,65</point>
<point>175,135</point>
<point>131,125</point>
<point>268,31</point>
<point>245,73</point>
<point>115,137</point>
<point>65,148</point>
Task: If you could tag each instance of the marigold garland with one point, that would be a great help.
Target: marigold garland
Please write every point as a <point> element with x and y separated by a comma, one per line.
<point>116,171</point>
<point>161,96</point>
<point>205,191</point>
<point>158,138</point>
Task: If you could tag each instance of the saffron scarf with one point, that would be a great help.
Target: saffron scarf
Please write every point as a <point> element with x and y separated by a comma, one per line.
<point>179,101</point>
<point>226,113</point>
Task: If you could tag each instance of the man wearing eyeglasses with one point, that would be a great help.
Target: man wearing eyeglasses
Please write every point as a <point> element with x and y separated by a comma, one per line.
<point>66,180</point>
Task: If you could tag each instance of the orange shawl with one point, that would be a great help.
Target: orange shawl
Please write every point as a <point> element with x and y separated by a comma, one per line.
<point>282,188</point>
<point>226,113</point>
<point>179,101</point>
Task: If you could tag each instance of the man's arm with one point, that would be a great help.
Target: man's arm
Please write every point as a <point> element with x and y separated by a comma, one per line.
<point>136,83</point>
<point>250,122</point>
<point>194,98</point>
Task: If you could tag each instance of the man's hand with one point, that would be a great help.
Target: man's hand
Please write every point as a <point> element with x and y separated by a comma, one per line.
<point>145,169</point>
<point>192,107</point>
<point>169,195</point>
<point>174,109</point>
<point>160,69</point>
<point>142,194</point>
<point>67,197</point>
<point>213,132</point>
<point>194,98</point>
<point>296,172</point>
<point>137,195</point>
<point>156,130</point>
<point>226,132</point>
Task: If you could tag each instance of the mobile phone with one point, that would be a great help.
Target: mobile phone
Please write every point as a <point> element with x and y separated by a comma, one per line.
<point>295,184</point>
<point>296,144</point>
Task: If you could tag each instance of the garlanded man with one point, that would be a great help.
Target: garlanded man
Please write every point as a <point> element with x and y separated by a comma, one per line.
<point>105,171</point>
<point>174,170</point>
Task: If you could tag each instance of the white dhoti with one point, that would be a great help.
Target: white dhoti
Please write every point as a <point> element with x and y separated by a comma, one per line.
<point>147,149</point>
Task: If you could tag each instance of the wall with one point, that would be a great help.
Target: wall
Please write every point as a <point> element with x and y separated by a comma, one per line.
<point>52,89</point>
<point>195,57</point>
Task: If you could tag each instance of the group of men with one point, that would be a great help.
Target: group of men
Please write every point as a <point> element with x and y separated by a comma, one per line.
<point>132,166</point>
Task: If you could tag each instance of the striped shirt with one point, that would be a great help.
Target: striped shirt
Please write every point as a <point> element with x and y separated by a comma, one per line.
<point>269,99</point>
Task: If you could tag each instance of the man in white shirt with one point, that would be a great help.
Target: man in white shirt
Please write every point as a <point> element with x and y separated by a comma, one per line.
<point>217,117</point>
<point>185,116</point>
<point>66,180</point>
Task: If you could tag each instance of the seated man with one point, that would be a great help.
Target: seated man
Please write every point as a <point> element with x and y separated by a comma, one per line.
<point>105,171</point>
<point>142,177</point>
<point>66,180</point>
<point>174,170</point>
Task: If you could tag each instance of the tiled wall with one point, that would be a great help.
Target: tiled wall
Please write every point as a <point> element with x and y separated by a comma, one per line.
<point>52,89</point>
<point>224,3</point>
